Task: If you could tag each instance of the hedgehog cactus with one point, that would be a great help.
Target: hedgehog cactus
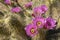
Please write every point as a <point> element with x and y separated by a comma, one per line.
<point>27,19</point>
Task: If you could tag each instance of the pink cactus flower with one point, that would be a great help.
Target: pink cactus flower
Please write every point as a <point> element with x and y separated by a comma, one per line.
<point>39,22</point>
<point>39,10</point>
<point>28,5</point>
<point>50,23</point>
<point>43,8</point>
<point>16,9</point>
<point>31,30</point>
<point>7,2</point>
<point>36,11</point>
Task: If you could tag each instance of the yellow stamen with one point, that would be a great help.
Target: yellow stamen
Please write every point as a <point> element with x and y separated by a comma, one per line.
<point>32,30</point>
<point>38,23</point>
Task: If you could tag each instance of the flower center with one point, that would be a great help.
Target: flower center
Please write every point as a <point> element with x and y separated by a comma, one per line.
<point>48,23</point>
<point>32,30</point>
<point>38,23</point>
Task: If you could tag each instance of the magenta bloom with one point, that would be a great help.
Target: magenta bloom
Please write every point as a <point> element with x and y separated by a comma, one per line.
<point>39,22</point>
<point>50,23</point>
<point>8,2</point>
<point>36,11</point>
<point>43,8</point>
<point>31,30</point>
<point>16,9</point>
<point>39,10</point>
<point>28,5</point>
